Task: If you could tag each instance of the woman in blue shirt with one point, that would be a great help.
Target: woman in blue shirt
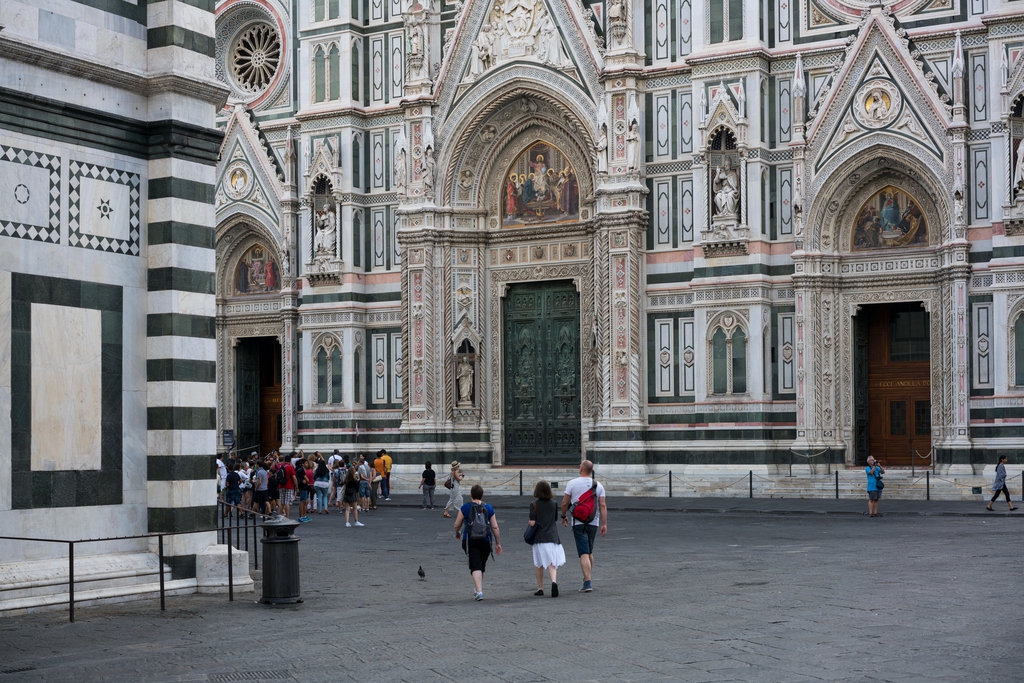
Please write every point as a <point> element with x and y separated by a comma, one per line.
<point>477,542</point>
<point>874,472</point>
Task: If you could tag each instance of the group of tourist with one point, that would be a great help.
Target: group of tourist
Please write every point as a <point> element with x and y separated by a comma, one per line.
<point>272,484</point>
<point>583,503</point>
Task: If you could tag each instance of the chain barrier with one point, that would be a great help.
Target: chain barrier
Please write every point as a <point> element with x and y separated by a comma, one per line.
<point>809,456</point>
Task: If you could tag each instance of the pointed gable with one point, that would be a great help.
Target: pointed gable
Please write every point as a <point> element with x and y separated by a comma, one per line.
<point>877,90</point>
<point>249,181</point>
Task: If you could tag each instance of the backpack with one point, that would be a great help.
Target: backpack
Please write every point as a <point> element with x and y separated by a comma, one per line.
<point>585,509</point>
<point>478,523</point>
<point>280,476</point>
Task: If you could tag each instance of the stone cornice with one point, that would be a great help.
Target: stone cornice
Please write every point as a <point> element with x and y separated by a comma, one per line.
<point>46,57</point>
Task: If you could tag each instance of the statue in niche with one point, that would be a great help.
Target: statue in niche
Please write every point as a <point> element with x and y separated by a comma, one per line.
<point>1018,167</point>
<point>602,150</point>
<point>464,376</point>
<point>326,232</point>
<point>633,146</point>
<point>428,171</point>
<point>726,188</point>
<point>483,52</point>
<point>400,163</point>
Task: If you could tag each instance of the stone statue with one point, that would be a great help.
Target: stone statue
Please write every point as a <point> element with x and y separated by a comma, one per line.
<point>428,171</point>
<point>602,150</point>
<point>727,189</point>
<point>483,52</point>
<point>400,161</point>
<point>633,147</point>
<point>549,43</point>
<point>465,379</point>
<point>326,232</point>
<point>1018,168</point>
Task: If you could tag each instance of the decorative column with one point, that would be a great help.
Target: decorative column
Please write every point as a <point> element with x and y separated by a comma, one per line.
<point>290,206</point>
<point>181,358</point>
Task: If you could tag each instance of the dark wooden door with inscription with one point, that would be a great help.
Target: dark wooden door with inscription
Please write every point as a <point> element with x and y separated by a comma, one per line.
<point>542,374</point>
<point>899,384</point>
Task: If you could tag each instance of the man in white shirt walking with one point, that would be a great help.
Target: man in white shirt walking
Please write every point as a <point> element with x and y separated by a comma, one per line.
<point>585,498</point>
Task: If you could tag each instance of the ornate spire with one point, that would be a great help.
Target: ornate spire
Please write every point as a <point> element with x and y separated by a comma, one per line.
<point>799,88</point>
<point>958,57</point>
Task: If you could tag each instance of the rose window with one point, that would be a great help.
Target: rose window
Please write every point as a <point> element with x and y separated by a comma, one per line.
<point>256,56</point>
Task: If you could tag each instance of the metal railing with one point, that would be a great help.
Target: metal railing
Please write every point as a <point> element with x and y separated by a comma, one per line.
<point>232,534</point>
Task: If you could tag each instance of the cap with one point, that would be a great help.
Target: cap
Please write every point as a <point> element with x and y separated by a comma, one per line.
<point>255,453</point>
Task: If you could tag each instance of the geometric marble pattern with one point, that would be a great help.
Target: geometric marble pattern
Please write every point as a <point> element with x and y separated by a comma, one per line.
<point>117,206</point>
<point>23,193</point>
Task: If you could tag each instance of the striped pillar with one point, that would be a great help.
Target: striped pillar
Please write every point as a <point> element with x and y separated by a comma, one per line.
<point>181,356</point>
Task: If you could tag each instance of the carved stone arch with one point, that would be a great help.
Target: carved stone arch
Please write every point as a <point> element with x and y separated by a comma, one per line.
<point>729,321</point>
<point>328,341</point>
<point>849,177</point>
<point>235,236</point>
<point>719,320</point>
<point>475,163</point>
<point>504,85</point>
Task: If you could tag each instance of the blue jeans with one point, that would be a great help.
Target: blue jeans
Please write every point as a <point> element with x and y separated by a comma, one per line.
<point>385,488</point>
<point>321,497</point>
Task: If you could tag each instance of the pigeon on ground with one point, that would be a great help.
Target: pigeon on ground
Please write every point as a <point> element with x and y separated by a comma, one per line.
<point>422,574</point>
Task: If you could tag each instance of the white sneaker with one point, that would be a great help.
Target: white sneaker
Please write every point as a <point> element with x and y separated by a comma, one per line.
<point>360,524</point>
<point>348,524</point>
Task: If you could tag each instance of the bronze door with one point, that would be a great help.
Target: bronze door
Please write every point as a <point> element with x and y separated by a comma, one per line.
<point>542,383</point>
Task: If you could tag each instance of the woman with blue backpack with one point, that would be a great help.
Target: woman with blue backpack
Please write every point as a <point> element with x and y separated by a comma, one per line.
<point>477,526</point>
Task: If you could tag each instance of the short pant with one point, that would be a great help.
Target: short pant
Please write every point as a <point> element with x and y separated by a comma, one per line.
<point>233,497</point>
<point>364,489</point>
<point>478,552</point>
<point>584,535</point>
<point>303,495</point>
<point>874,495</point>
<point>259,498</point>
<point>287,496</point>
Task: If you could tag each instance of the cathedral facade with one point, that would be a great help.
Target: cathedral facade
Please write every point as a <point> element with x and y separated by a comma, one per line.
<point>524,232</point>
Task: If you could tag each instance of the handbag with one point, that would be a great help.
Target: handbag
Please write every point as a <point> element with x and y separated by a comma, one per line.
<point>448,482</point>
<point>530,532</point>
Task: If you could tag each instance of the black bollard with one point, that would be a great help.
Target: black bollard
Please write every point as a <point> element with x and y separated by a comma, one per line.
<point>670,483</point>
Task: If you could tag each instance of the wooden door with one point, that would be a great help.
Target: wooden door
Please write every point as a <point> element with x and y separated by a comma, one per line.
<point>247,395</point>
<point>899,384</point>
<point>542,383</point>
<point>270,394</point>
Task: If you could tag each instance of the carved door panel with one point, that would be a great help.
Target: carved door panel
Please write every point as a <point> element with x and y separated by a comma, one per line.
<point>542,383</point>
<point>247,395</point>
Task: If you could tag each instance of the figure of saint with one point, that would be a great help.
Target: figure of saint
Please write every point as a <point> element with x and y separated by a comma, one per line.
<point>528,189</point>
<point>465,378</point>
<point>549,48</point>
<point>326,231</point>
<point>270,275</point>
<point>616,11</point>
<point>540,176</point>
<point>510,197</point>
<point>633,147</point>
<point>569,201</point>
<point>1018,167</point>
<point>727,189</point>
<point>400,157</point>
<point>890,213</point>
<point>876,105</point>
<point>428,170</point>
<point>602,150</point>
<point>483,55</point>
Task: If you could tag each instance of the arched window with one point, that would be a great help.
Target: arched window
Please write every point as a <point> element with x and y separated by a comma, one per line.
<point>725,20</point>
<point>764,111</point>
<point>728,359</point>
<point>356,378</point>
<point>328,373</point>
<point>356,165</point>
<point>720,362</point>
<point>336,375</point>
<point>319,75</point>
<point>1018,351</point>
<point>739,362</point>
<point>357,245</point>
<point>334,66</point>
<point>356,99</point>
<point>321,376</point>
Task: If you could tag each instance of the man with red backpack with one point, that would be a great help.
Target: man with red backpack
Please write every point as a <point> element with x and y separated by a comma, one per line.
<point>584,503</point>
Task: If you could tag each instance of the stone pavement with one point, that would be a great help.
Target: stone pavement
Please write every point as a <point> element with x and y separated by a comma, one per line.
<point>925,593</point>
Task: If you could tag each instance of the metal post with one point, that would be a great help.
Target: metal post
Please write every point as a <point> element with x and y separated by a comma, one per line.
<point>71,581</point>
<point>751,483</point>
<point>670,483</point>
<point>255,545</point>
<point>231,573</point>
<point>913,454</point>
<point>828,455</point>
<point>927,485</point>
<point>238,523</point>
<point>160,557</point>
<point>837,484</point>
<point>790,463</point>
<point>520,482</point>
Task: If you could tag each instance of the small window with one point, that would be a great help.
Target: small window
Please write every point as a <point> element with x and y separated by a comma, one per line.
<point>898,418</point>
<point>739,362</point>
<point>319,10</point>
<point>319,76</point>
<point>336,375</point>
<point>720,360</point>
<point>908,336</point>
<point>922,418</point>
<point>334,65</point>
<point>356,375</point>
<point>321,376</point>
<point>1018,351</point>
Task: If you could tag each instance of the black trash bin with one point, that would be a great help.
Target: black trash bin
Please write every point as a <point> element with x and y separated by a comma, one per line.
<point>280,561</point>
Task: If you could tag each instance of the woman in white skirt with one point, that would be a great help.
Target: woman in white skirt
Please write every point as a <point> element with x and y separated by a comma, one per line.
<point>547,548</point>
<point>455,499</point>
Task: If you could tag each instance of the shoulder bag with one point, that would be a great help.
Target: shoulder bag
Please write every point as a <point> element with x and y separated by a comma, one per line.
<point>530,533</point>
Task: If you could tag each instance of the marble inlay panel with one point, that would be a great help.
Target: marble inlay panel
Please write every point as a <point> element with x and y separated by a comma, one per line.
<point>67,382</point>
<point>29,194</point>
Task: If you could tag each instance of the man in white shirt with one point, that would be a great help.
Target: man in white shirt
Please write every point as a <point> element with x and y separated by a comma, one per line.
<point>222,475</point>
<point>335,457</point>
<point>585,533</point>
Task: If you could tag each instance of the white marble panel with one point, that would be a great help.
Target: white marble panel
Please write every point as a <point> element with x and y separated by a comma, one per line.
<point>24,194</point>
<point>181,210</point>
<point>180,168</point>
<point>190,303</point>
<point>181,347</point>
<point>105,208</point>
<point>182,394</point>
<point>181,441</point>
<point>187,493</point>
<point>181,256</point>
<point>67,382</point>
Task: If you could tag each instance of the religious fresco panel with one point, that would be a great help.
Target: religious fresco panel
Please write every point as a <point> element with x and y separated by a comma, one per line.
<point>540,187</point>
<point>257,272</point>
<point>890,218</point>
